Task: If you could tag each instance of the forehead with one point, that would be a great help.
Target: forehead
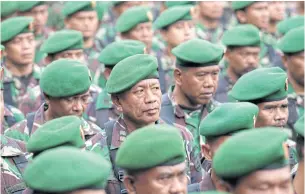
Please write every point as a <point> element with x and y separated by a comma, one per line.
<point>204,69</point>
<point>182,22</point>
<point>273,103</point>
<point>146,82</point>
<point>71,51</point>
<point>260,4</point>
<point>24,35</point>
<point>248,49</point>
<point>144,24</point>
<point>168,169</point>
<point>84,14</point>
<point>39,8</point>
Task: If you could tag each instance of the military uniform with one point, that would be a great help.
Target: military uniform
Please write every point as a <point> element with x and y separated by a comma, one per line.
<point>211,35</point>
<point>225,84</point>
<point>296,105</point>
<point>39,39</point>
<point>11,116</point>
<point>13,162</point>
<point>205,185</point>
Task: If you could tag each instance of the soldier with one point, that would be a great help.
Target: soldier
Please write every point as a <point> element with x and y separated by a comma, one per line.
<point>102,109</point>
<point>13,161</point>
<point>298,179</point>
<point>277,13</point>
<point>163,170</point>
<point>71,46</point>
<point>83,17</point>
<point>65,85</point>
<point>242,56</point>
<point>8,9</point>
<point>39,11</point>
<point>225,121</point>
<point>74,172</point>
<point>185,105</point>
<point>258,163</point>
<point>20,72</point>
<point>176,26</point>
<point>292,45</point>
<point>135,92</point>
<point>208,22</point>
<point>290,23</point>
<point>257,14</point>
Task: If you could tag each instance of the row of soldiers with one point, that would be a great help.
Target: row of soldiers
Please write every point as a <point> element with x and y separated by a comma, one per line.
<point>146,108</point>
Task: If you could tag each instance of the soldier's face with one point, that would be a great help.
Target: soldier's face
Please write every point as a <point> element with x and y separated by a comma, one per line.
<point>142,32</point>
<point>21,49</point>
<point>198,84</point>
<point>273,113</point>
<point>295,67</point>
<point>212,9</point>
<point>124,6</point>
<point>77,54</point>
<point>84,21</point>
<point>277,10</point>
<point>89,191</point>
<point>161,180</point>
<point>73,105</point>
<point>141,104</point>
<point>179,32</point>
<point>256,14</point>
<point>242,59</point>
<point>275,181</point>
<point>40,14</point>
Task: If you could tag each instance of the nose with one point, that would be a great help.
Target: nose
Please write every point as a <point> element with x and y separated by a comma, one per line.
<point>208,82</point>
<point>178,186</point>
<point>150,97</point>
<point>77,106</point>
<point>280,115</point>
<point>252,60</point>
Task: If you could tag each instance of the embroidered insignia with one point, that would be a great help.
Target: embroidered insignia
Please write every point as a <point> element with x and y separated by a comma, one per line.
<point>93,4</point>
<point>150,16</point>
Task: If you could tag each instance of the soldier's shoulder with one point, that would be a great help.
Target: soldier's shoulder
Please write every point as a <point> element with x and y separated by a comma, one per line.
<point>17,114</point>
<point>18,131</point>
<point>11,147</point>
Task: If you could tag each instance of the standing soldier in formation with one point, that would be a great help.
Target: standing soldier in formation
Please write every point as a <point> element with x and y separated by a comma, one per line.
<point>20,72</point>
<point>242,56</point>
<point>102,109</point>
<point>277,13</point>
<point>39,11</point>
<point>176,26</point>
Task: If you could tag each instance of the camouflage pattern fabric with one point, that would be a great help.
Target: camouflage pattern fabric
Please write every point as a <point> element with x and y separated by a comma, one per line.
<point>39,39</point>
<point>212,36</point>
<point>11,116</point>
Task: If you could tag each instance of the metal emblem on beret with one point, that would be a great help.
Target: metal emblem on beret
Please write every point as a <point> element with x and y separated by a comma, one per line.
<point>285,149</point>
<point>254,120</point>
<point>93,4</point>
<point>145,50</point>
<point>192,11</point>
<point>150,16</point>
<point>31,26</point>
<point>286,84</point>
<point>82,134</point>
<point>89,73</point>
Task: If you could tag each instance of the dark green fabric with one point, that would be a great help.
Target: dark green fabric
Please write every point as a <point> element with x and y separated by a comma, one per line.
<point>237,5</point>
<point>71,7</point>
<point>198,53</point>
<point>24,6</point>
<point>299,126</point>
<point>57,132</point>
<point>117,51</point>
<point>66,169</point>
<point>290,23</point>
<point>151,146</point>
<point>65,77</point>
<point>172,15</point>
<point>251,150</point>
<point>264,84</point>
<point>130,71</point>
<point>8,8</point>
<point>15,26</point>
<point>229,118</point>
<point>242,35</point>
<point>132,17</point>
<point>170,4</point>
<point>293,41</point>
<point>63,40</point>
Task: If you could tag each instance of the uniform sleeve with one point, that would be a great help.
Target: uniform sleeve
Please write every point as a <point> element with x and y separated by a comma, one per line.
<point>18,131</point>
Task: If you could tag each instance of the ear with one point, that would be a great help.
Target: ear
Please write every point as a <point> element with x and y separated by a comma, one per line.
<point>227,54</point>
<point>48,60</point>
<point>116,101</point>
<point>207,152</point>
<point>178,76</point>
<point>164,35</point>
<point>285,60</point>
<point>129,184</point>
<point>241,16</point>
<point>107,72</point>
<point>67,23</point>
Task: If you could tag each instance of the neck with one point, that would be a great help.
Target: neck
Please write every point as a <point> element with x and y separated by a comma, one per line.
<point>299,89</point>
<point>298,181</point>
<point>19,70</point>
<point>48,115</point>
<point>272,26</point>
<point>131,126</point>
<point>88,42</point>
<point>169,52</point>
<point>232,75</point>
<point>209,23</point>
<point>182,100</point>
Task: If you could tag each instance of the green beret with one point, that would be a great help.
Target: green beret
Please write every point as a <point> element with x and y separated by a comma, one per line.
<point>237,5</point>
<point>163,147</point>
<point>2,47</point>
<point>15,26</point>
<point>293,41</point>
<point>65,77</point>
<point>24,6</point>
<point>251,150</point>
<point>101,8</point>
<point>117,51</point>
<point>68,39</point>
<point>8,8</point>
<point>229,118</point>
<point>242,35</point>
<point>132,17</point>
<point>170,4</point>
<point>172,15</point>
<point>198,53</point>
<point>299,126</point>
<point>71,7</point>
<point>66,169</point>
<point>130,71</point>
<point>288,24</point>
<point>116,3</point>
<point>57,132</point>
<point>267,84</point>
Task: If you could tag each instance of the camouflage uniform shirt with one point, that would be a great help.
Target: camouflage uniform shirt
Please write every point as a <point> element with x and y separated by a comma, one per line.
<point>11,116</point>
<point>212,36</point>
